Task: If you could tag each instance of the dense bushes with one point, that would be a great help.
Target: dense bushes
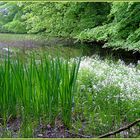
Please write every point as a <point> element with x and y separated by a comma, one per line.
<point>15,27</point>
<point>121,30</point>
<point>56,19</point>
<point>11,18</point>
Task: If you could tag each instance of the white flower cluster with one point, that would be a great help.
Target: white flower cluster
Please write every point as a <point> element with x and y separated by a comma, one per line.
<point>104,73</point>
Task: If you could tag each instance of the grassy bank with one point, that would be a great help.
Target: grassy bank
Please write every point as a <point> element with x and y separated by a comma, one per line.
<point>41,95</point>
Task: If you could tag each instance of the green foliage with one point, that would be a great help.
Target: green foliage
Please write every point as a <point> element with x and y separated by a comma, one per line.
<point>64,19</point>
<point>15,26</point>
<point>120,31</point>
<point>56,19</point>
<point>10,17</point>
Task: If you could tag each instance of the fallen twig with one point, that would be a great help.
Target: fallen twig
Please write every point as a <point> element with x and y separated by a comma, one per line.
<point>120,129</point>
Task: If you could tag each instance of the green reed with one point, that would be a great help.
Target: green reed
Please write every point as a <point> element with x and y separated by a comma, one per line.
<point>37,90</point>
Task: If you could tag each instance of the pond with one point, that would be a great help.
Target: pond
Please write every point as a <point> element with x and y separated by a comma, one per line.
<point>68,48</point>
<point>25,44</point>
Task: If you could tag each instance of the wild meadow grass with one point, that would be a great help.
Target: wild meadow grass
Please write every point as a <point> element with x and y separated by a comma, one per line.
<point>37,91</point>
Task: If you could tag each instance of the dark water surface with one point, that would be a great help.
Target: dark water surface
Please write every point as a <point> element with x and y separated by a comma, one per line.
<point>29,43</point>
<point>65,47</point>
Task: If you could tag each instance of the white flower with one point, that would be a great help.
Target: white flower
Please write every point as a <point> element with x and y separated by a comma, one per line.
<point>103,73</point>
